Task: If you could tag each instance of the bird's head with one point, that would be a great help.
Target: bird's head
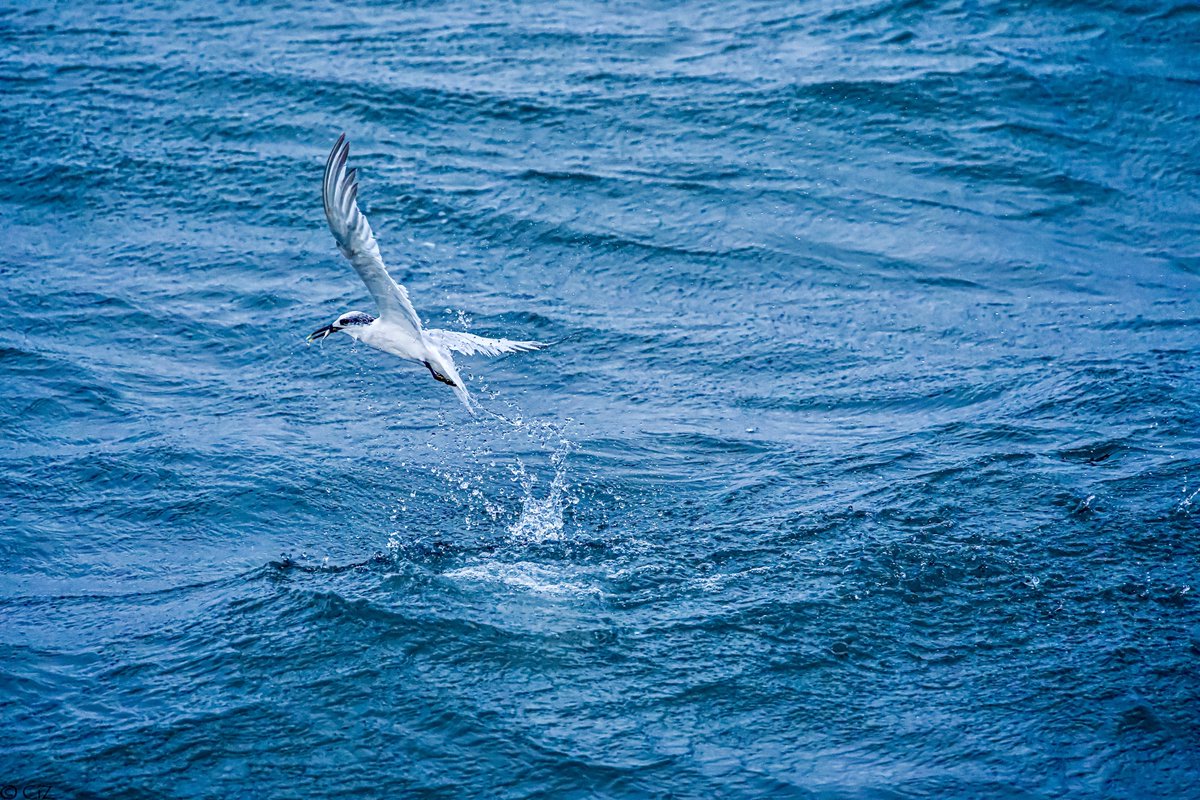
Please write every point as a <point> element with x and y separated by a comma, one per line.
<point>350,322</point>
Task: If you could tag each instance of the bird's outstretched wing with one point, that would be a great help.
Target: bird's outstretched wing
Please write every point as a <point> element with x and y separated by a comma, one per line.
<point>356,241</point>
<point>470,344</point>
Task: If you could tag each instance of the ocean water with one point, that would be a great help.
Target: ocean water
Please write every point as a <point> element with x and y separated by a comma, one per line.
<point>865,461</point>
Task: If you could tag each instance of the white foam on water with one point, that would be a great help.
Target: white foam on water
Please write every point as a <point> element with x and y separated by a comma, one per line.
<point>524,575</point>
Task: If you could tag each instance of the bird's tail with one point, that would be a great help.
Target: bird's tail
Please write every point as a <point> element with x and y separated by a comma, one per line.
<point>463,395</point>
<point>441,367</point>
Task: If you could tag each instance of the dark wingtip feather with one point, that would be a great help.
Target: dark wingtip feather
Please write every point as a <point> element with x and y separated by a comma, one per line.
<point>334,150</point>
<point>342,157</point>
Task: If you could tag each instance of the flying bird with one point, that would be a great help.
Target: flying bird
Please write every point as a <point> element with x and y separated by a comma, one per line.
<point>397,329</point>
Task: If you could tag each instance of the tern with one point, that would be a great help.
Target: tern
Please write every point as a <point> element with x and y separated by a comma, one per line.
<point>397,329</point>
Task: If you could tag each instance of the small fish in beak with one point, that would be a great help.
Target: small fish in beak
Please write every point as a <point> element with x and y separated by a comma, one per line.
<point>321,333</point>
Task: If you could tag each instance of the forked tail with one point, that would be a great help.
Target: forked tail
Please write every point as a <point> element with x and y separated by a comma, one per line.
<point>455,382</point>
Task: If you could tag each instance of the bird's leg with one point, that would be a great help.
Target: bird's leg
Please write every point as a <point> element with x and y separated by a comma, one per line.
<point>437,376</point>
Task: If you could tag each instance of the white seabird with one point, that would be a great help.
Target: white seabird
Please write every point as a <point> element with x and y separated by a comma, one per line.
<point>398,329</point>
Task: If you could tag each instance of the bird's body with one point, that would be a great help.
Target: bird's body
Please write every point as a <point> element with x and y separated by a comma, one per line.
<point>398,329</point>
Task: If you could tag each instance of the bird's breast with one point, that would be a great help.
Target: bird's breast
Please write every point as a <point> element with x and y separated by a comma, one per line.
<point>394,340</point>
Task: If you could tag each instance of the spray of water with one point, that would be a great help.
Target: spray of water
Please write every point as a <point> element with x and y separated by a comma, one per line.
<point>504,478</point>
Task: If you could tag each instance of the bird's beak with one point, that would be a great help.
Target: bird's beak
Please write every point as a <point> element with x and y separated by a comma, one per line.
<point>321,334</point>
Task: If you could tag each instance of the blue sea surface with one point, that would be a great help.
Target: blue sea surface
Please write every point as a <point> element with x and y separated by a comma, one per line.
<point>864,461</point>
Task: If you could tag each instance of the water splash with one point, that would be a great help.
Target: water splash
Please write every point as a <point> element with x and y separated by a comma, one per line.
<point>541,518</point>
<point>483,484</point>
<point>1184,506</point>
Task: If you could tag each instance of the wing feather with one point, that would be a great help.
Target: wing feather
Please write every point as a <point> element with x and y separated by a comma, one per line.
<point>349,226</point>
<point>470,344</point>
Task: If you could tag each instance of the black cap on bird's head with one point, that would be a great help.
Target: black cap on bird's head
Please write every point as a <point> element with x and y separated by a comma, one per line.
<point>348,320</point>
